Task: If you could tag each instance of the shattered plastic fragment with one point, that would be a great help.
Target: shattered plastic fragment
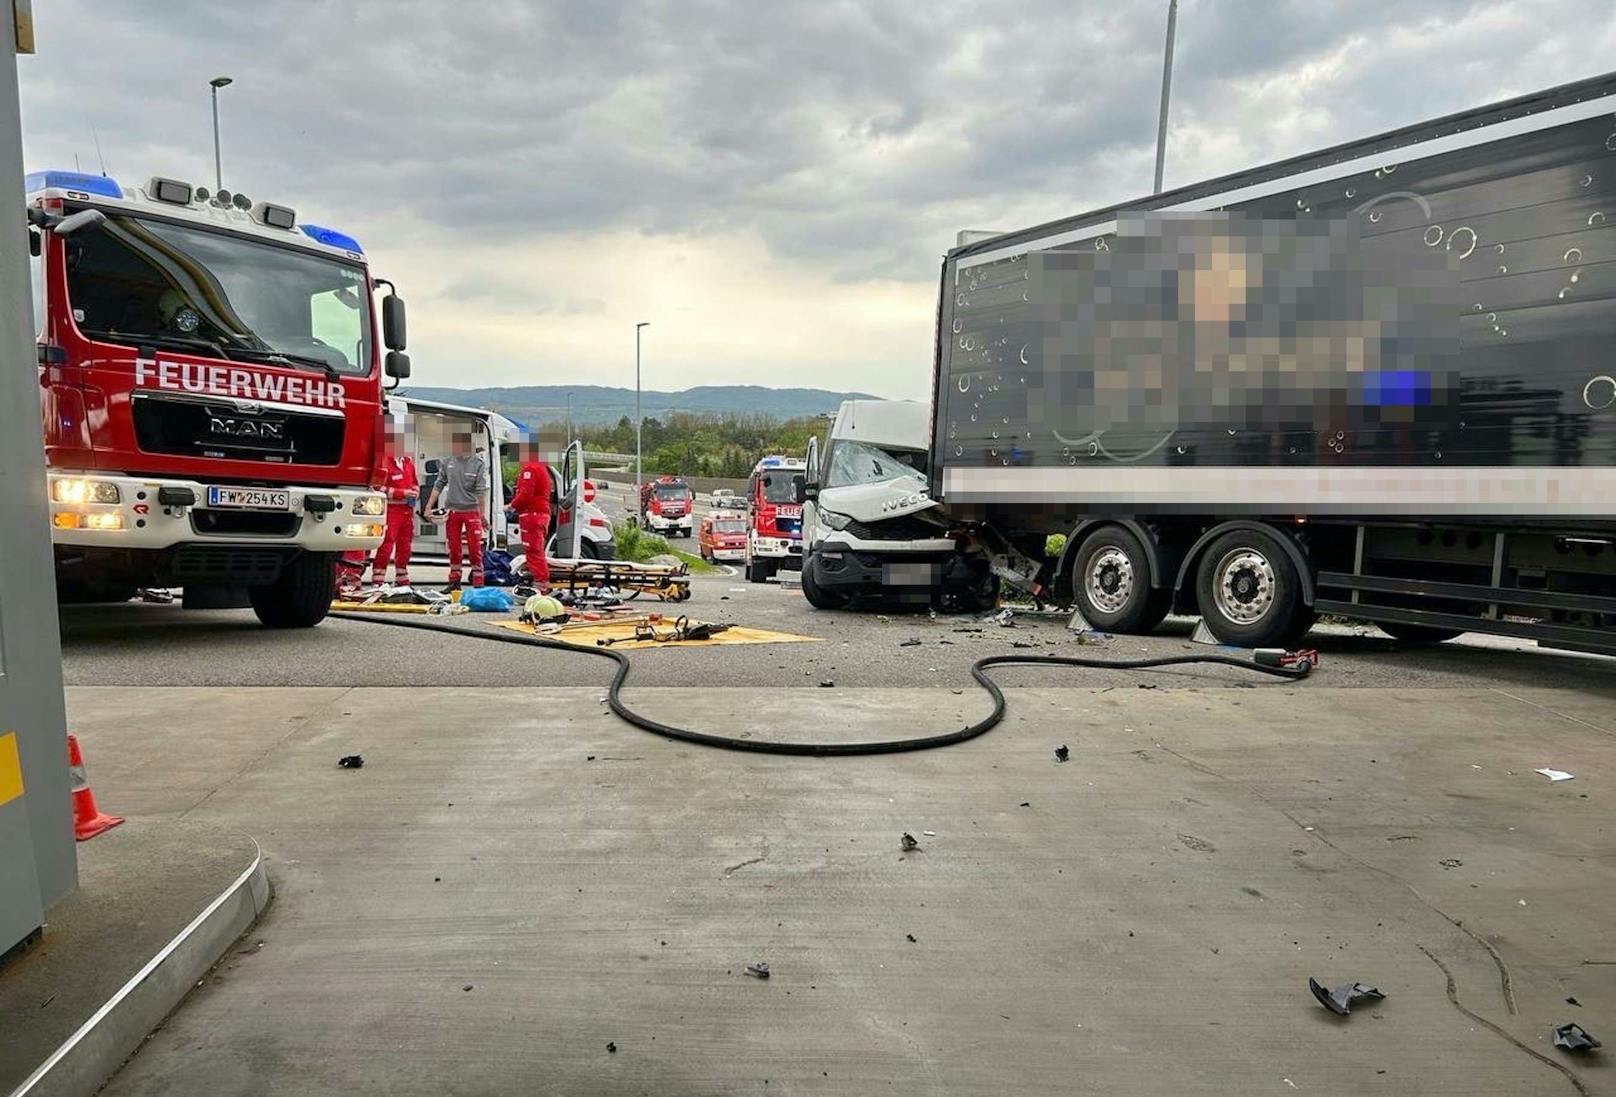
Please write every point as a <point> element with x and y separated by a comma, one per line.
<point>758,968</point>
<point>1555,774</point>
<point>1062,753</point>
<point>908,842</point>
<point>1573,1037</point>
<point>351,761</point>
<point>1340,999</point>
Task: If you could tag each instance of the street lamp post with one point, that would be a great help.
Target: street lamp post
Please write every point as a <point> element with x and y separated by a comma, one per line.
<point>638,418</point>
<point>569,418</point>
<point>1167,86</point>
<point>218,168</point>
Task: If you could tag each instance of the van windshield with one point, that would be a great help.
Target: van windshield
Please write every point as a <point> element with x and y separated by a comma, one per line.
<point>218,295</point>
<point>853,463</point>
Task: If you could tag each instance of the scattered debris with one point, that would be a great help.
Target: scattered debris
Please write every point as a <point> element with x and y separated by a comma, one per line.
<point>351,761</point>
<point>826,683</point>
<point>1005,618</point>
<point>1026,803</point>
<point>911,937</point>
<point>1063,753</point>
<point>466,987</point>
<point>155,596</point>
<point>611,1048</point>
<point>912,642</point>
<point>931,614</point>
<point>589,758</point>
<point>1451,862</point>
<point>1403,838</point>
<point>758,969</point>
<point>1573,1037</point>
<point>967,630</point>
<point>1148,685</point>
<point>1555,774</point>
<point>883,618</point>
<point>1573,1002</point>
<point>1199,845</point>
<point>929,833</point>
<point>1022,644</point>
<point>908,842</point>
<point>1341,999</point>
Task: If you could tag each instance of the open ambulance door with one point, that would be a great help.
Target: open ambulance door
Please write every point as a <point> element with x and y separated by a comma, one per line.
<point>569,520</point>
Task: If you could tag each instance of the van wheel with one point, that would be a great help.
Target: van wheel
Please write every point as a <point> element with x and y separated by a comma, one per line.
<point>1111,581</point>
<point>756,571</point>
<point>301,596</point>
<point>818,596</point>
<point>1417,634</point>
<point>1249,593</point>
<point>587,549</point>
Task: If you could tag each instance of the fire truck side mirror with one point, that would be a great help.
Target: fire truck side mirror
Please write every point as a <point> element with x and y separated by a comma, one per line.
<point>397,365</point>
<point>393,322</point>
<point>78,222</point>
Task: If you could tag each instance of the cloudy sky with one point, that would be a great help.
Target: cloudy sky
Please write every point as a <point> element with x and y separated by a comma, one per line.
<point>771,183</point>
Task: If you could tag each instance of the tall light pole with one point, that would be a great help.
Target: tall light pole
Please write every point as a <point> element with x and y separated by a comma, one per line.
<point>638,418</point>
<point>218,168</point>
<point>569,418</point>
<point>1167,85</point>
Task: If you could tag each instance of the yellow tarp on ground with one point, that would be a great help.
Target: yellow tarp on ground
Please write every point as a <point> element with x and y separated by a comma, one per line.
<point>622,631</point>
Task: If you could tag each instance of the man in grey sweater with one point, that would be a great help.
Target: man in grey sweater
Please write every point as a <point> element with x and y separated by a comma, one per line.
<point>462,486</point>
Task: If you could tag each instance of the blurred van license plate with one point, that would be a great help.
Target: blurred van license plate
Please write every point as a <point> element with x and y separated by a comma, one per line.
<point>908,575</point>
<point>250,498</point>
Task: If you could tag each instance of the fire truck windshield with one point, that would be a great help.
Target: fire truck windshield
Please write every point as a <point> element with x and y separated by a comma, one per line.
<point>213,294</point>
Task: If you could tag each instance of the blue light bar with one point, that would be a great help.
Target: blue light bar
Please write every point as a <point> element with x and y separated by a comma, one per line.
<point>72,180</point>
<point>332,238</point>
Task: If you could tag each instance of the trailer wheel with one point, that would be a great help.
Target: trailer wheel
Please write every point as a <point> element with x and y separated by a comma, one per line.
<point>1111,582</point>
<point>1417,634</point>
<point>300,596</point>
<point>818,596</point>
<point>1249,593</point>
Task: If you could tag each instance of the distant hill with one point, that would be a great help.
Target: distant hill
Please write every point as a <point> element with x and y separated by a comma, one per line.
<point>599,404</point>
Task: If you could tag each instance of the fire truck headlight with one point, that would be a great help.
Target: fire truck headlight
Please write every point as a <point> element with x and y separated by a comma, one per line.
<point>373,505</point>
<point>84,491</point>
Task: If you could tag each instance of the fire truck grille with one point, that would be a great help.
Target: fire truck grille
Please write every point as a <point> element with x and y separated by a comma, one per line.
<point>205,428</point>
<point>234,564</point>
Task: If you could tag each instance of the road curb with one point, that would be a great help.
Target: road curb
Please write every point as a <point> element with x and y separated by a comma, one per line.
<point>88,1058</point>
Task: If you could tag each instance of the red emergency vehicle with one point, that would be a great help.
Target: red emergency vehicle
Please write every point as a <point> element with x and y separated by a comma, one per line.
<point>774,533</point>
<point>211,392</point>
<point>667,505</point>
<point>722,537</point>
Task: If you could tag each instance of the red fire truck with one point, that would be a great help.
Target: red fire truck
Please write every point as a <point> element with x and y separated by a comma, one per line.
<point>667,505</point>
<point>210,387</point>
<point>774,529</point>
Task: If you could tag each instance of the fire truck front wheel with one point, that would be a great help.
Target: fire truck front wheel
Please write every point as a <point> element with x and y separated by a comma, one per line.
<point>301,596</point>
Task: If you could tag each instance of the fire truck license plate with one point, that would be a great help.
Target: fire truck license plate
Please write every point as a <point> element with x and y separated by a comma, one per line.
<point>250,498</point>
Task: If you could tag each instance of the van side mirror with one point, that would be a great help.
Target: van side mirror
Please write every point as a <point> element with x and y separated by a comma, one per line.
<point>35,244</point>
<point>393,334</point>
<point>397,365</point>
<point>799,489</point>
<point>808,492</point>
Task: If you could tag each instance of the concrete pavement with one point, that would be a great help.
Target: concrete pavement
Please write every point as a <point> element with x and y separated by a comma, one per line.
<point>517,880</point>
<point>137,644</point>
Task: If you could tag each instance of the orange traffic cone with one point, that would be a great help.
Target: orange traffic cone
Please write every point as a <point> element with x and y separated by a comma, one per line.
<point>87,818</point>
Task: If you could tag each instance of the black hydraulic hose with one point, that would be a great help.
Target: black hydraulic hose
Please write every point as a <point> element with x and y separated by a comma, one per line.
<point>826,750</point>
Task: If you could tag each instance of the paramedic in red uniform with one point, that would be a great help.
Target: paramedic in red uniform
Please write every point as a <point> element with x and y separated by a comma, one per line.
<point>532,506</point>
<point>403,489</point>
<point>462,486</point>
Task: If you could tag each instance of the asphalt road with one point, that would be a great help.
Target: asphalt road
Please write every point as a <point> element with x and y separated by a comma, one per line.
<point>138,644</point>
